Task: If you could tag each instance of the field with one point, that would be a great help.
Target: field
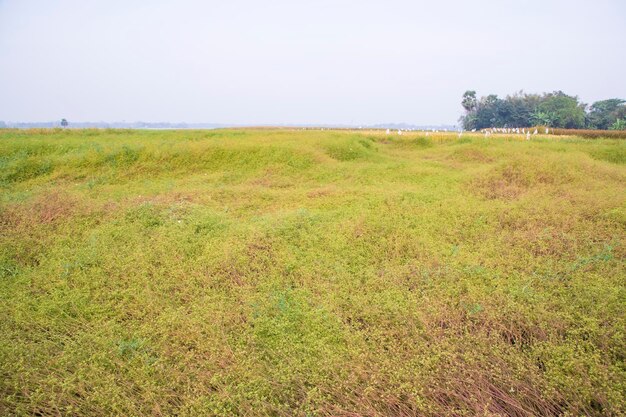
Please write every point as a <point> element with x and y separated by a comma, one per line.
<point>589,133</point>
<point>310,273</point>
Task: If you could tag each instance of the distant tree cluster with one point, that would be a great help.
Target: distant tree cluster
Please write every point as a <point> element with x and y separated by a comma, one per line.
<point>555,109</point>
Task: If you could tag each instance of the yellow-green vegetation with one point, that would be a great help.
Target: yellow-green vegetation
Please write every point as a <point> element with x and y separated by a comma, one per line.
<point>306,273</point>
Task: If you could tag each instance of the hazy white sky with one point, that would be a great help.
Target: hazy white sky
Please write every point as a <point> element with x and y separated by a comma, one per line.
<point>290,61</point>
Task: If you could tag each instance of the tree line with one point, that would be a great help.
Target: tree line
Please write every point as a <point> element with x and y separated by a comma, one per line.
<point>555,109</point>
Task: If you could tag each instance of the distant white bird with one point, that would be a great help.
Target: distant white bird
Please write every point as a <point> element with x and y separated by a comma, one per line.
<point>399,132</point>
<point>535,132</point>
<point>547,130</point>
<point>528,135</point>
<point>460,134</point>
<point>473,130</point>
<point>523,130</point>
<point>387,131</point>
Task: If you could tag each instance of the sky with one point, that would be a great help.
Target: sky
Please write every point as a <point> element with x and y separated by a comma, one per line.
<point>299,62</point>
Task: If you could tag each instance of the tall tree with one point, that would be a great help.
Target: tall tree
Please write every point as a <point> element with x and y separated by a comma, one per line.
<point>602,114</point>
<point>564,111</point>
<point>469,100</point>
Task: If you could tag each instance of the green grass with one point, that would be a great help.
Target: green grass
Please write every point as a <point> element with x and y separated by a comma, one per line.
<point>285,272</point>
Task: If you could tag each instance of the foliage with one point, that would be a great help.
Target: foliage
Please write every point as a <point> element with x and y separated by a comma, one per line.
<point>556,109</point>
<point>564,111</point>
<point>307,273</point>
<point>603,114</point>
<point>620,124</point>
<point>469,100</point>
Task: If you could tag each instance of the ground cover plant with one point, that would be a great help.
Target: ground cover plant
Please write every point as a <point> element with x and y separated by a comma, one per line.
<point>311,273</point>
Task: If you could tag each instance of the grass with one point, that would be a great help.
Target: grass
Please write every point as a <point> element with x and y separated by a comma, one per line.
<point>589,133</point>
<point>311,273</point>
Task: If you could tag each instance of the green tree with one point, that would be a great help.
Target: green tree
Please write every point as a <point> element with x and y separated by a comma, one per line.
<point>602,114</point>
<point>64,122</point>
<point>539,117</point>
<point>619,124</point>
<point>469,100</point>
<point>555,109</point>
<point>520,108</point>
<point>566,110</point>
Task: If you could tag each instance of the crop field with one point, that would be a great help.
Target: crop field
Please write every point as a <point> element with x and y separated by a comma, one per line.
<point>278,272</point>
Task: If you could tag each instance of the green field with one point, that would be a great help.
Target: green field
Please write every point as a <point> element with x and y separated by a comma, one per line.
<point>304,273</point>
